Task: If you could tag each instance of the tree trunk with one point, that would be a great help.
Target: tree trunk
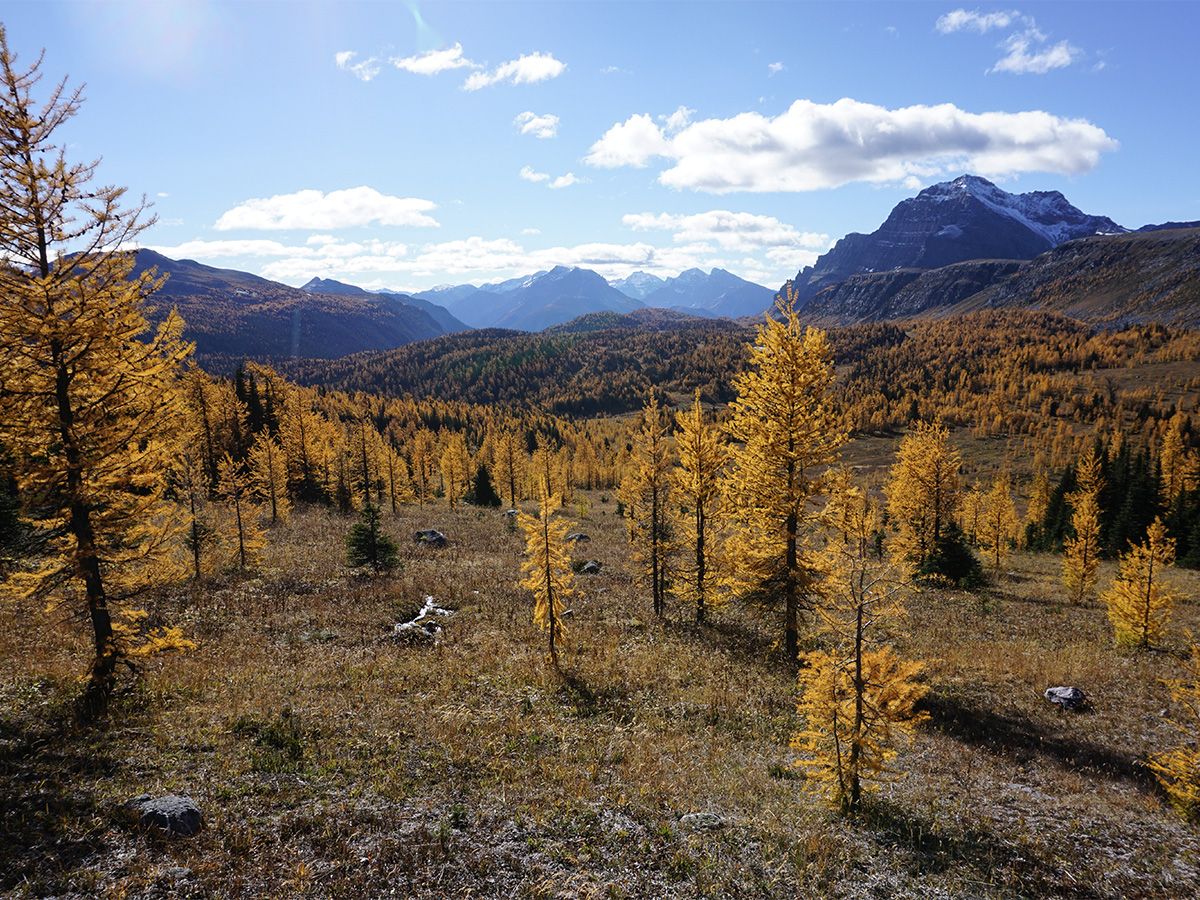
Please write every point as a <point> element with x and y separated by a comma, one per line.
<point>700,561</point>
<point>791,631</point>
<point>859,691</point>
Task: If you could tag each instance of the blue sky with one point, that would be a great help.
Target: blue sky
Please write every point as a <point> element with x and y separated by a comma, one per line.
<point>405,145</point>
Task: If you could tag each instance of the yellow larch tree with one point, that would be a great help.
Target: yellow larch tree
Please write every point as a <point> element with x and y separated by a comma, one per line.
<point>698,508</point>
<point>1039,498</point>
<point>922,492</point>
<point>396,478</point>
<point>646,493</point>
<point>971,512</point>
<point>235,487</point>
<point>1177,467</point>
<point>455,466</point>
<point>785,432</point>
<point>190,485</point>
<point>998,522</point>
<point>1139,603</point>
<point>423,460</point>
<point>89,398</point>
<point>547,567</point>
<point>268,475</point>
<point>509,461</point>
<point>1178,769</point>
<point>857,697</point>
<point>1081,551</point>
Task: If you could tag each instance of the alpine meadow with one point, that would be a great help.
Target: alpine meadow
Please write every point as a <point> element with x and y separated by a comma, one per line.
<point>599,450</point>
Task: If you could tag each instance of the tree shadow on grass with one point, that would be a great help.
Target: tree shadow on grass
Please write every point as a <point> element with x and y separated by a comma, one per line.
<point>930,849</point>
<point>588,702</point>
<point>50,821</point>
<point>1017,736</point>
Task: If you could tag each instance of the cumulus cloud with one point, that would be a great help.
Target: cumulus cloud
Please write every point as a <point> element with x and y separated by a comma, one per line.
<point>1020,59</point>
<point>974,20</point>
<point>729,230</point>
<point>526,69</point>
<point>812,146</point>
<point>363,70</point>
<point>528,174</point>
<point>542,127</point>
<point>775,68</point>
<point>433,61</point>
<point>313,209</point>
<point>678,120</point>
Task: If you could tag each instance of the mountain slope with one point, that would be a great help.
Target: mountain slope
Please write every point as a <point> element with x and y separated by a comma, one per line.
<point>638,285</point>
<point>445,320</point>
<point>1147,276</point>
<point>234,315</point>
<point>965,219</point>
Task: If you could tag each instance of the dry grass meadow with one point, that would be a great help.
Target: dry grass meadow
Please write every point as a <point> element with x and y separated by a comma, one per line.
<point>333,761</point>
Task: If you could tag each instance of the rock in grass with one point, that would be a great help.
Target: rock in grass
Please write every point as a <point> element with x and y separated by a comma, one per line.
<point>1069,698</point>
<point>174,814</point>
<point>702,821</point>
<point>576,537</point>
<point>591,567</point>
<point>430,537</point>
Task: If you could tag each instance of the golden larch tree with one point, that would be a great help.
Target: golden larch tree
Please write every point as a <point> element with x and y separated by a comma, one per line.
<point>1039,498</point>
<point>922,491</point>
<point>268,475</point>
<point>547,567</point>
<point>455,467</point>
<point>858,697</point>
<point>998,522</point>
<point>1178,769</point>
<point>1081,551</point>
<point>1176,466</point>
<point>89,398</point>
<point>646,493</point>
<point>785,432</point>
<point>698,508</point>
<point>1139,603</point>
<point>509,461</point>
<point>236,488</point>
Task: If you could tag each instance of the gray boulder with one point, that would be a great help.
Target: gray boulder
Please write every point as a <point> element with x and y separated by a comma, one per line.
<point>430,537</point>
<point>591,567</point>
<point>1068,698</point>
<point>174,814</point>
<point>576,537</point>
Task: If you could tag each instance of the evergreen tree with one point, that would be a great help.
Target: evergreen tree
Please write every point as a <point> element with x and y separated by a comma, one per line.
<point>89,403</point>
<point>785,433</point>
<point>368,545</point>
<point>483,493</point>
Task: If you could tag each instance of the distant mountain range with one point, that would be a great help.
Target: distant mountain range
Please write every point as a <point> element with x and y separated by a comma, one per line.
<point>234,315</point>
<point>966,243</point>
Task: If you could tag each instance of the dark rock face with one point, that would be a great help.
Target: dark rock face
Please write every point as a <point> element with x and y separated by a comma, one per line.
<point>1069,698</point>
<point>174,814</point>
<point>965,219</point>
<point>905,292</point>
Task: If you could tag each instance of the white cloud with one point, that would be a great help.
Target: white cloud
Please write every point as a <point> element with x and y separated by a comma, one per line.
<point>531,232</point>
<point>528,174</point>
<point>527,69</point>
<point>973,20</point>
<point>633,142</point>
<point>729,230</point>
<point>1020,61</point>
<point>775,68</point>
<point>363,71</point>
<point>543,127</point>
<point>812,146</point>
<point>347,208</point>
<point>226,249</point>
<point>678,120</point>
<point>433,61</point>
<point>162,194</point>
